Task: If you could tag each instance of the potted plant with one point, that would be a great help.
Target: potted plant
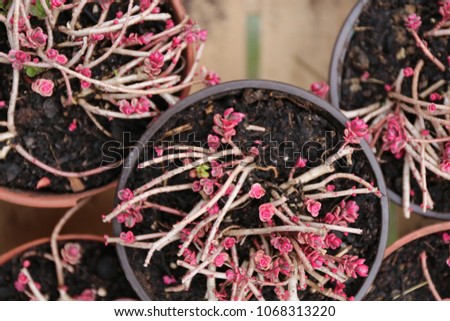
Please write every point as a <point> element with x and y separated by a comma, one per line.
<point>251,190</point>
<point>68,267</point>
<point>416,267</point>
<point>80,75</point>
<point>389,69</point>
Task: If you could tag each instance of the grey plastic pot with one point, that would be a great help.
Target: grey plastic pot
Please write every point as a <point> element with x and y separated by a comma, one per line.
<point>335,79</point>
<point>220,91</point>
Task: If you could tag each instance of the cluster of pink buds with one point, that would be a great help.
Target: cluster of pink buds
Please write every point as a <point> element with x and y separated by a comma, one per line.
<point>85,72</point>
<point>18,58</point>
<point>213,142</point>
<point>34,38</point>
<point>345,213</point>
<point>55,56</point>
<point>413,22</point>
<point>225,126</point>
<point>127,237</point>
<point>125,194</point>
<point>394,138</point>
<point>135,106</point>
<point>21,283</point>
<point>282,244</point>
<point>130,216</point>
<point>210,78</point>
<point>154,63</point>
<point>262,260</point>
<point>445,164</point>
<point>43,87</point>
<point>71,253</point>
<point>355,130</point>
<point>353,266</point>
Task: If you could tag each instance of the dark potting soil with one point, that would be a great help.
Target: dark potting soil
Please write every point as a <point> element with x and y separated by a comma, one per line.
<point>293,127</point>
<point>43,122</point>
<point>99,268</point>
<point>401,272</point>
<point>382,46</point>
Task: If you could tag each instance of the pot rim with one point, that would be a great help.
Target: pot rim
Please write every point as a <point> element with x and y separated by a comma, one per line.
<point>336,65</point>
<point>256,84</point>
<point>24,247</point>
<point>424,231</point>
<point>63,200</point>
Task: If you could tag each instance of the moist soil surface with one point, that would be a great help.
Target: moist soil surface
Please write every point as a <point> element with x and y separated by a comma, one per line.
<point>382,46</point>
<point>402,271</point>
<point>99,268</point>
<point>293,127</point>
<point>42,123</point>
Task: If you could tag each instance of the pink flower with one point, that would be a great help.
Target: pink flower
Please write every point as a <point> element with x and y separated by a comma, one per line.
<point>57,3</point>
<point>71,253</point>
<point>85,72</point>
<point>33,39</point>
<point>301,162</point>
<point>43,87</point>
<point>311,239</point>
<point>315,259</point>
<point>445,166</point>
<point>169,279</point>
<point>228,242</point>
<point>61,59</point>
<point>256,191</point>
<point>52,54</point>
<point>224,126</point>
<point>394,138</point>
<point>408,72</point>
<point>413,21</point>
<point>330,187</point>
<point>125,107</point>
<point>435,96</point>
<point>18,58</point>
<point>332,241</point>
<point>142,105</point>
<point>356,129</point>
<point>262,261</point>
<point>208,186</point>
<point>266,212</point>
<point>431,108</point>
<point>216,169</point>
<point>125,194</point>
<point>349,211</point>
<point>176,42</point>
<point>446,238</point>
<point>87,295</point>
<point>220,259</point>
<point>320,89</point>
<point>213,142</point>
<point>282,244</point>
<point>211,78</point>
<point>313,207</point>
<point>169,24</point>
<point>127,237</point>
<point>154,63</point>
<point>130,217</point>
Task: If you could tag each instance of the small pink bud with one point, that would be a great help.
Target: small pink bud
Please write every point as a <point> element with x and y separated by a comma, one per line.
<point>228,242</point>
<point>435,96</point>
<point>43,87</point>
<point>127,237</point>
<point>52,53</point>
<point>220,259</point>
<point>169,279</point>
<point>320,89</point>
<point>43,182</point>
<point>169,24</point>
<point>61,59</point>
<point>2,104</point>
<point>413,21</point>
<point>387,87</point>
<point>408,72</point>
<point>313,207</point>
<point>71,253</point>
<point>330,187</point>
<point>119,14</point>
<point>425,132</point>
<point>257,191</point>
<point>26,264</point>
<point>301,162</point>
<point>431,108</point>
<point>448,261</point>
<point>125,194</point>
<point>263,262</point>
<point>365,75</point>
<point>73,125</point>
<point>446,238</point>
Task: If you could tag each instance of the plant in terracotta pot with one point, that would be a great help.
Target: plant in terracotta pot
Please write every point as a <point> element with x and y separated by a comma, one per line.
<point>416,267</point>
<point>79,74</point>
<point>251,190</point>
<point>69,267</point>
<point>390,69</point>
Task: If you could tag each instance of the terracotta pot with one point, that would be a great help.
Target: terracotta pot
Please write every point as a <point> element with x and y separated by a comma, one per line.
<point>61,200</point>
<point>24,247</point>
<point>335,72</point>
<point>221,91</point>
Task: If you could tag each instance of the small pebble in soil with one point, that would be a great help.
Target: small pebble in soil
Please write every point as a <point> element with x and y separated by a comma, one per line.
<point>106,268</point>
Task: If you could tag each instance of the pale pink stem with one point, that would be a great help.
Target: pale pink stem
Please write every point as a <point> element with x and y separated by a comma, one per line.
<point>19,149</point>
<point>275,229</point>
<point>208,273</point>
<point>426,274</point>
<point>426,51</point>
<point>163,208</point>
<point>114,114</point>
<point>355,191</point>
<point>194,233</point>
<point>32,285</point>
<point>202,265</point>
<point>170,157</point>
<point>406,189</point>
<point>330,178</point>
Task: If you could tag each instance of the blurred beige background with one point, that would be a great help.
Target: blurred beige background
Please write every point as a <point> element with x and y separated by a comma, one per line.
<point>284,40</point>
